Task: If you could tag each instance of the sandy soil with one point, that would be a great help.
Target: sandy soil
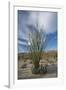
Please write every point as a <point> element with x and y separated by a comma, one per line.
<point>24,70</point>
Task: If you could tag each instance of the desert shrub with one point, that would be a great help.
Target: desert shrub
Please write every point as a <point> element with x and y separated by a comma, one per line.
<point>41,70</point>
<point>36,44</point>
<point>35,70</point>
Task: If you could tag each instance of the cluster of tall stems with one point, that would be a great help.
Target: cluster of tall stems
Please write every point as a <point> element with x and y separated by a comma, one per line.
<point>37,41</point>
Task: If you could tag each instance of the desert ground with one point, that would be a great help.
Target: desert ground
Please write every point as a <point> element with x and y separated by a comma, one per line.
<point>24,70</point>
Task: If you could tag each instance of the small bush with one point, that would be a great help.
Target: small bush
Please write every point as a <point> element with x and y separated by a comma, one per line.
<point>41,70</point>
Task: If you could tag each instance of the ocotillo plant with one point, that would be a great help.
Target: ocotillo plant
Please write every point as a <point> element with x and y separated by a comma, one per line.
<point>36,42</point>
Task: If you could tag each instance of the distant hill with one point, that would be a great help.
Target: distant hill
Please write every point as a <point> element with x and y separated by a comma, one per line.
<point>45,55</point>
<point>51,53</point>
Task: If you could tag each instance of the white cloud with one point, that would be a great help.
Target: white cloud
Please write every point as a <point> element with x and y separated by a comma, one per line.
<point>46,20</point>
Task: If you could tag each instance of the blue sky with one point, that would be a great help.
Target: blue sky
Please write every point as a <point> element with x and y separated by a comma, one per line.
<point>46,21</point>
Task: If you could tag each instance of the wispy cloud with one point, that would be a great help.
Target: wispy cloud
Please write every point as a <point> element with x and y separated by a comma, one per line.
<point>46,20</point>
